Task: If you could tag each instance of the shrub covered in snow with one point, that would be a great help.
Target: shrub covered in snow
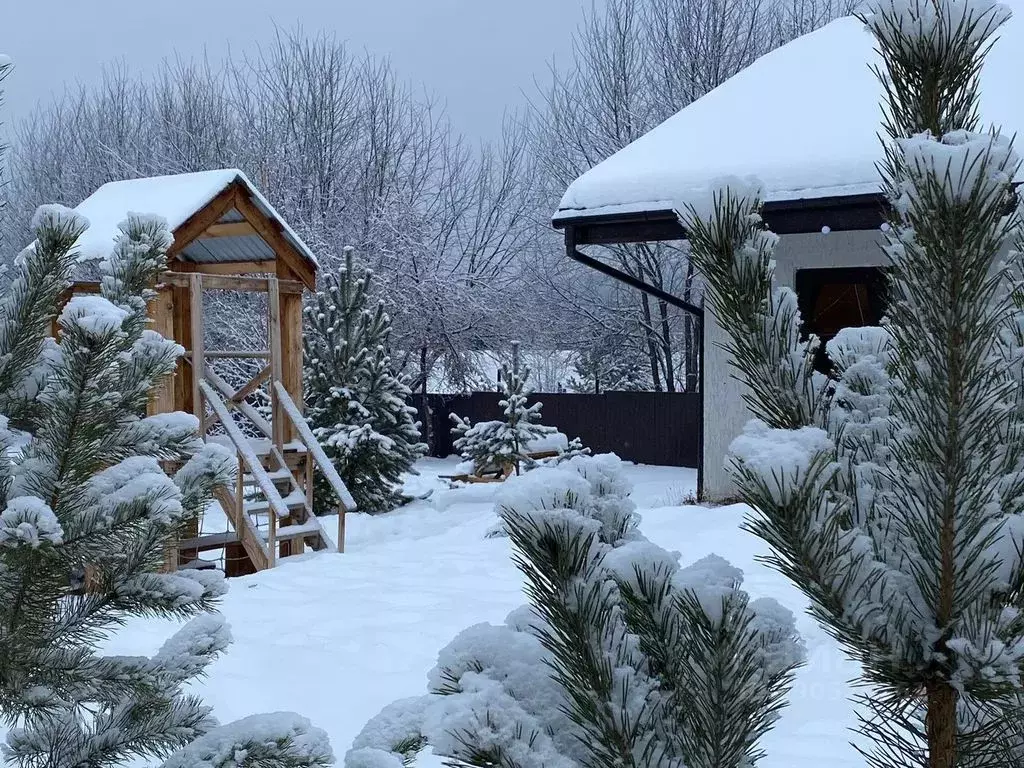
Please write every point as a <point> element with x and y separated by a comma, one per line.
<point>86,515</point>
<point>621,658</point>
<point>893,495</point>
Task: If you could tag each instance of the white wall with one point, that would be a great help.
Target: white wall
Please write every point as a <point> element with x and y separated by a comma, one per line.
<point>724,410</point>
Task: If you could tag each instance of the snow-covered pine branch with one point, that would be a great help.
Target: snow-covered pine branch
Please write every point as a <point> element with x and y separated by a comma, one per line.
<point>86,516</point>
<point>621,658</point>
<point>892,495</point>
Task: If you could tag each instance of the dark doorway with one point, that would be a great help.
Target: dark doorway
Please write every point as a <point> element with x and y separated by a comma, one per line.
<point>831,299</point>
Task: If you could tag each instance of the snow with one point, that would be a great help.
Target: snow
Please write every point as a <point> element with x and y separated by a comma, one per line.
<point>94,315</point>
<point>804,119</point>
<point>174,197</point>
<point>29,520</point>
<point>338,637</point>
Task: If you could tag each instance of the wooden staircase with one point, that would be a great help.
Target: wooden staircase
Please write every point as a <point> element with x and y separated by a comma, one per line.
<point>270,510</point>
<point>271,507</point>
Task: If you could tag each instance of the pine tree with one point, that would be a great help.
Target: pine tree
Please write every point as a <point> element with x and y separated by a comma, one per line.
<point>892,494</point>
<point>87,512</point>
<point>609,366</point>
<point>356,403</point>
<point>505,442</point>
<point>622,659</point>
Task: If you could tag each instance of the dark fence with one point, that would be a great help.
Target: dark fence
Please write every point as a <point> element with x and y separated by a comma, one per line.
<point>645,427</point>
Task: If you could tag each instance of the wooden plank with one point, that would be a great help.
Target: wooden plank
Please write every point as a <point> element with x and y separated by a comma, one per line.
<point>161,313</point>
<point>195,297</point>
<point>291,351</point>
<point>236,354</point>
<point>305,434</point>
<point>248,536</point>
<point>230,229</point>
<point>278,420</point>
<point>227,391</point>
<point>272,232</point>
<point>252,385</point>
<point>182,335</point>
<point>233,283</point>
<point>232,267</point>
<point>202,219</point>
<point>208,541</point>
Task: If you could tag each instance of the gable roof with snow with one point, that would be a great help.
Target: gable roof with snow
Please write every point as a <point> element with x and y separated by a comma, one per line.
<point>216,217</point>
<point>804,119</point>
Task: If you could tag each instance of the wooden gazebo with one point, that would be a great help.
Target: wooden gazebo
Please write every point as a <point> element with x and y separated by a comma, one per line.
<point>227,237</point>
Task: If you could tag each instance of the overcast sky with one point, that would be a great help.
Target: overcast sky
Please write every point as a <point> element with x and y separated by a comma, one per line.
<point>477,55</point>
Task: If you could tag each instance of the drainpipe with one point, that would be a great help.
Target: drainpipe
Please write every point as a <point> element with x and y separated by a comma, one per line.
<point>574,253</point>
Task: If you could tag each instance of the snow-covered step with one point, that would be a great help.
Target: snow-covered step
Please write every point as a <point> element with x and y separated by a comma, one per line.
<point>300,531</point>
<point>208,541</point>
<point>283,479</point>
<point>293,501</point>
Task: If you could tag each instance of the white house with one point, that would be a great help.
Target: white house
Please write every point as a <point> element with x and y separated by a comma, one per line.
<point>805,121</point>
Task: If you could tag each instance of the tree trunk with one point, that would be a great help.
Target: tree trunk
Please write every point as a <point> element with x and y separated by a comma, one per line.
<point>940,725</point>
<point>426,400</point>
<point>666,345</point>
<point>652,348</point>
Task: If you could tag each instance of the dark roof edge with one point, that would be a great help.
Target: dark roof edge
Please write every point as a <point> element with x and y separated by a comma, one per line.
<point>784,217</point>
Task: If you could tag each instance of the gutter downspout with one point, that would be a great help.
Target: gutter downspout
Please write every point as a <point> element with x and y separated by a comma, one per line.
<point>574,253</point>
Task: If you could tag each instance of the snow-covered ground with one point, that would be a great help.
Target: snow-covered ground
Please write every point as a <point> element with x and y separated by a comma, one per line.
<point>337,637</point>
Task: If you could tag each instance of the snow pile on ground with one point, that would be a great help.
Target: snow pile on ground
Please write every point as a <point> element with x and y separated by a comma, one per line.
<point>338,637</point>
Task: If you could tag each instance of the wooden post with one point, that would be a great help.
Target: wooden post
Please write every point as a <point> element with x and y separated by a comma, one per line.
<point>341,527</point>
<point>278,418</point>
<point>182,324</point>
<point>271,538</point>
<point>195,297</point>
<point>161,311</point>
<point>426,400</point>
<point>290,314</point>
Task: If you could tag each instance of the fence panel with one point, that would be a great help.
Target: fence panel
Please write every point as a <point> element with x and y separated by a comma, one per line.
<point>645,427</point>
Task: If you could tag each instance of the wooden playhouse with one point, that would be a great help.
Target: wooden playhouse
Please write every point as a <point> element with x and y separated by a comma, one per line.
<point>229,240</point>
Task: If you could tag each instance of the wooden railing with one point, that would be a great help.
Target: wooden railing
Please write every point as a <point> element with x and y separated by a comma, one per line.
<point>323,463</point>
<point>249,462</point>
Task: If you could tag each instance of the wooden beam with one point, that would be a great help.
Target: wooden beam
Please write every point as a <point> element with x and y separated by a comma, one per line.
<point>233,283</point>
<point>195,295</point>
<point>232,267</point>
<point>291,348</point>
<point>230,229</point>
<point>161,313</point>
<point>201,220</point>
<point>272,232</point>
<point>279,420</point>
<point>254,383</point>
<point>183,335</point>
<point>234,354</point>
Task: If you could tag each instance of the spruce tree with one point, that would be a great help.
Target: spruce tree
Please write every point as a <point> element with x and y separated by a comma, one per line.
<point>621,659</point>
<point>505,442</point>
<point>87,513</point>
<point>892,494</point>
<point>356,403</point>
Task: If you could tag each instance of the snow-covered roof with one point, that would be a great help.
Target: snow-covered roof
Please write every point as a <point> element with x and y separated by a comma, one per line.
<point>804,119</point>
<point>177,198</point>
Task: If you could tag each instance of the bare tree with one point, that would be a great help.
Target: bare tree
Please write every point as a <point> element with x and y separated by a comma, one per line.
<point>634,64</point>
